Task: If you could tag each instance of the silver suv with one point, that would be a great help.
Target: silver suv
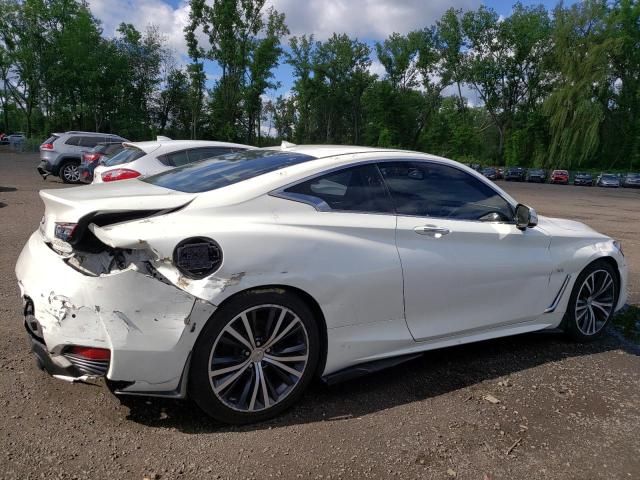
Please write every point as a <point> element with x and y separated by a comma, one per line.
<point>61,153</point>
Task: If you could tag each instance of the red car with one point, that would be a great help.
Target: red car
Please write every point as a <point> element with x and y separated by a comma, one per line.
<point>560,176</point>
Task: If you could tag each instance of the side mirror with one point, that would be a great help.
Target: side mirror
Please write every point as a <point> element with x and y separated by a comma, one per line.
<point>526,217</point>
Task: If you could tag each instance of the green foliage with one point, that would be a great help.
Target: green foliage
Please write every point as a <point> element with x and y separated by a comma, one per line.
<point>244,41</point>
<point>536,88</point>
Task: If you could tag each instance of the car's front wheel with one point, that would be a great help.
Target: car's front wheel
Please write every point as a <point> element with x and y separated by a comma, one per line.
<point>592,302</point>
<point>70,172</point>
<point>255,357</point>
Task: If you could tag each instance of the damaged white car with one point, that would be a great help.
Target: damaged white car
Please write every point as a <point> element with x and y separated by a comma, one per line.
<point>238,279</point>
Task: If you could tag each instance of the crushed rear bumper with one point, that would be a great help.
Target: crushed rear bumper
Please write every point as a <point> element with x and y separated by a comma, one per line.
<point>148,325</point>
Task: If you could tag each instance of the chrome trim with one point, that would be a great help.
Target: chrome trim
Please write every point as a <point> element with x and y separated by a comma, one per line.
<point>556,301</point>
<point>317,203</point>
<point>432,230</point>
<point>85,365</point>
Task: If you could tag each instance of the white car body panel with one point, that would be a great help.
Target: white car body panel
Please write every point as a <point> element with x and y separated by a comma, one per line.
<point>383,290</point>
<point>437,270</point>
<point>149,163</point>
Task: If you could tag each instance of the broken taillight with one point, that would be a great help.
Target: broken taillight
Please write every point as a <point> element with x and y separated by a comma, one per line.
<point>91,353</point>
<point>119,174</point>
<point>65,231</point>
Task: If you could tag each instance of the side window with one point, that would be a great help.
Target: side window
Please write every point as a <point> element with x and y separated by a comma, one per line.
<point>90,142</point>
<point>75,141</point>
<point>356,189</point>
<point>175,159</point>
<point>435,190</point>
<point>196,154</point>
<point>114,148</point>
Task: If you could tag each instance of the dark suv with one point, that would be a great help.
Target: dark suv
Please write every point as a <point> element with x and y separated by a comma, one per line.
<point>517,174</point>
<point>61,154</point>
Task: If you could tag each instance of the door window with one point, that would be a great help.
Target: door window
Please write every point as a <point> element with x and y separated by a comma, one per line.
<point>357,189</point>
<point>428,189</point>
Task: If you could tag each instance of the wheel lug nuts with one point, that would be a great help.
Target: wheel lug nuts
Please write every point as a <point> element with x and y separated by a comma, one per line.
<point>246,353</point>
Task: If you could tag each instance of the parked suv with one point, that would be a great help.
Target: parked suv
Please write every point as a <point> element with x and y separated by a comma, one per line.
<point>517,174</point>
<point>60,154</point>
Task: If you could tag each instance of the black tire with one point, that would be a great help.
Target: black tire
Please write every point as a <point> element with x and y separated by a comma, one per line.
<point>70,171</point>
<point>573,319</point>
<point>200,380</point>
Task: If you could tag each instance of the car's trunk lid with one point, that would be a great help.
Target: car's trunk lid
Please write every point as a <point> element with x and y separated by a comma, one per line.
<point>79,205</point>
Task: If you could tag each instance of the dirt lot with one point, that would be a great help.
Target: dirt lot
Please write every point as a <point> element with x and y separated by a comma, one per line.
<point>565,410</point>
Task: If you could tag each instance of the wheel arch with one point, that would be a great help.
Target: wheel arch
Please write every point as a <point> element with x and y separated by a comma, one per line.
<point>308,299</point>
<point>616,270</point>
<point>62,161</point>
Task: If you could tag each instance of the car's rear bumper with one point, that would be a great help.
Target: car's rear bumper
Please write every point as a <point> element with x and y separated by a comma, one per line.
<point>148,326</point>
<point>44,168</point>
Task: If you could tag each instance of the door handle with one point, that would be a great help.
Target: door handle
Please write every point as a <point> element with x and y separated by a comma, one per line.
<point>432,231</point>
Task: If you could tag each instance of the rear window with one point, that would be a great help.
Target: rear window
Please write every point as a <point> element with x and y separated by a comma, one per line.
<point>51,139</point>
<point>129,154</point>
<point>218,172</point>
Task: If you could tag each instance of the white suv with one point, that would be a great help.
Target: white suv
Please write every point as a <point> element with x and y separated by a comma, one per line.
<point>61,153</point>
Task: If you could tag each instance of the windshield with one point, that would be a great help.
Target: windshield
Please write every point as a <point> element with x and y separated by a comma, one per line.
<point>633,175</point>
<point>609,177</point>
<point>218,172</point>
<point>129,154</point>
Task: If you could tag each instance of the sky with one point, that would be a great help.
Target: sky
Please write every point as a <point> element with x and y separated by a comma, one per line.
<point>368,20</point>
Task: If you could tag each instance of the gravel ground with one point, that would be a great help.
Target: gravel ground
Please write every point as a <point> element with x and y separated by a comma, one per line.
<point>533,406</point>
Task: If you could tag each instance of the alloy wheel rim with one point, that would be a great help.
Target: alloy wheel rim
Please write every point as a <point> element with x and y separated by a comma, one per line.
<point>72,173</point>
<point>258,358</point>
<point>595,302</point>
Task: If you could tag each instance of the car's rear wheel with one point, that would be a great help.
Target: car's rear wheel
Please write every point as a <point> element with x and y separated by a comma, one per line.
<point>592,302</point>
<point>70,172</point>
<point>255,357</point>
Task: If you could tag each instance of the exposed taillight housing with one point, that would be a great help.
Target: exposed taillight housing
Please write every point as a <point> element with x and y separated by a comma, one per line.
<point>65,231</point>
<point>89,360</point>
<point>46,146</point>
<point>119,174</point>
<point>91,353</point>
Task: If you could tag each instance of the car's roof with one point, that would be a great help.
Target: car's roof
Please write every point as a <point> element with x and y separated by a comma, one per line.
<point>323,158</point>
<point>323,151</point>
<point>152,145</point>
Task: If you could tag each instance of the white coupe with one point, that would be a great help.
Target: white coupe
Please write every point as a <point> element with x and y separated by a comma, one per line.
<point>238,279</point>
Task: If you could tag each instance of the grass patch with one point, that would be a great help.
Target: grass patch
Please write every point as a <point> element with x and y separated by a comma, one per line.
<point>628,322</point>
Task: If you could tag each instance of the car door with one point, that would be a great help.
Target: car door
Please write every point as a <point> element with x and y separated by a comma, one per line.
<point>466,267</point>
<point>352,236</point>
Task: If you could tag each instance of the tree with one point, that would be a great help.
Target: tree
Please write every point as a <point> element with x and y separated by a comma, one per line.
<point>245,44</point>
<point>576,106</point>
<point>505,61</point>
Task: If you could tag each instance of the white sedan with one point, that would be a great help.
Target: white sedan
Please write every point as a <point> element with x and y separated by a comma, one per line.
<point>238,279</point>
<point>146,158</point>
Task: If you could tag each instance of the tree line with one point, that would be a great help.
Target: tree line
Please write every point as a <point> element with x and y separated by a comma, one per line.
<point>557,88</point>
